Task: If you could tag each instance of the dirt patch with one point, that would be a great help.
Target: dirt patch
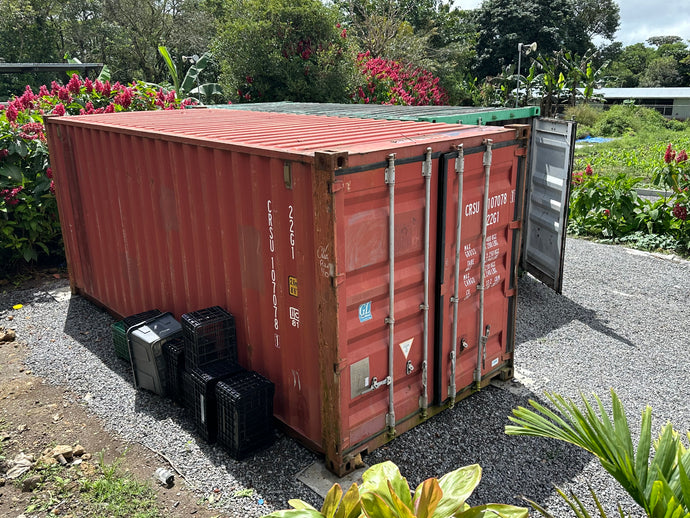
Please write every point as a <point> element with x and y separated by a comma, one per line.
<point>36,416</point>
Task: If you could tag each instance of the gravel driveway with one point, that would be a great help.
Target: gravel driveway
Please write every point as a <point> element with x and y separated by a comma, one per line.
<point>621,322</point>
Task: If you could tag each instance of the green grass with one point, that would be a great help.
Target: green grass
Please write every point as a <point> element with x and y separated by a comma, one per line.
<point>108,493</point>
<point>634,155</point>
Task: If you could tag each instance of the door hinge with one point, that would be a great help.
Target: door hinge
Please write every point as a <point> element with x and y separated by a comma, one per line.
<point>336,186</point>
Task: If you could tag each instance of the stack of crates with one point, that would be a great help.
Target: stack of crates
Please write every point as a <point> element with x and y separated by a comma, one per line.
<point>120,328</point>
<point>245,413</point>
<point>210,337</point>
<point>210,350</point>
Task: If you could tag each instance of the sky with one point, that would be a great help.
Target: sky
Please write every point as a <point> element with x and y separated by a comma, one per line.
<point>640,19</point>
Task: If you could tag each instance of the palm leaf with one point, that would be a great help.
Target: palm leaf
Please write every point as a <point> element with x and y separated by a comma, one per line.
<point>660,486</point>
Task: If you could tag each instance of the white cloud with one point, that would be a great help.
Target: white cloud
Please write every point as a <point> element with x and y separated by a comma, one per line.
<point>640,19</point>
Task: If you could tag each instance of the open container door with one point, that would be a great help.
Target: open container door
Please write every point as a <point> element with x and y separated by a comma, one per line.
<point>548,191</point>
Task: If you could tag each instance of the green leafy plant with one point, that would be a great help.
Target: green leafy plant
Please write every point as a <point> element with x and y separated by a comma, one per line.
<point>189,84</point>
<point>601,205</point>
<point>29,224</point>
<point>659,484</point>
<point>385,493</point>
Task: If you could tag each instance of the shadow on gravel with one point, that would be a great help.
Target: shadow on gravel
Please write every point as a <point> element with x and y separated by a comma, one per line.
<point>541,310</point>
<point>90,326</point>
<point>473,433</point>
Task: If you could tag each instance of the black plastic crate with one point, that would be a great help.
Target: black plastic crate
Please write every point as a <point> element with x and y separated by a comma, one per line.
<point>173,353</point>
<point>120,328</point>
<point>204,381</point>
<point>245,413</point>
<point>210,336</point>
<point>188,391</point>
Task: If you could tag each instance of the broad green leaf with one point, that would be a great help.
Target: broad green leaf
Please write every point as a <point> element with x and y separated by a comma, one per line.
<point>376,479</point>
<point>192,75</point>
<point>300,504</point>
<point>12,172</point>
<point>349,505</point>
<point>399,507</point>
<point>330,503</point>
<point>29,253</point>
<point>172,69</point>
<point>427,499</point>
<point>375,507</point>
<point>494,510</point>
<point>295,513</point>
<point>104,75</point>
<point>457,486</point>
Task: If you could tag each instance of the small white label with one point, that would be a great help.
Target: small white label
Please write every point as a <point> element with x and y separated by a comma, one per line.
<point>406,346</point>
<point>495,362</point>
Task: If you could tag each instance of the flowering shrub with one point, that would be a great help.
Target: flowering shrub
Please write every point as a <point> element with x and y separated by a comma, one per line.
<point>391,82</point>
<point>611,207</point>
<point>29,225</point>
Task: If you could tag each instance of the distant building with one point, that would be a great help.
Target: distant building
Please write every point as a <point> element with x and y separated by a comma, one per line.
<point>673,103</point>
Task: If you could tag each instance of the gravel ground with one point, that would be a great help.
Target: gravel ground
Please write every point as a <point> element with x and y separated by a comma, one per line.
<point>621,322</point>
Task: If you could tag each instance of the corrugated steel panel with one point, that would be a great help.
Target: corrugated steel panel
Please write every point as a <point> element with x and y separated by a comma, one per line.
<point>284,221</point>
<point>448,114</point>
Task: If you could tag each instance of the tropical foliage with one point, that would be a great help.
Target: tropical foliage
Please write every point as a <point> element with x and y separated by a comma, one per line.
<point>29,225</point>
<point>658,483</point>
<point>385,494</point>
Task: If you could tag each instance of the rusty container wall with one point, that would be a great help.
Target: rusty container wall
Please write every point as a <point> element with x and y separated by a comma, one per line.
<point>285,221</point>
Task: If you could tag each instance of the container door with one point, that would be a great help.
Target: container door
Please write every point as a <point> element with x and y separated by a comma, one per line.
<point>550,172</point>
<point>474,321</point>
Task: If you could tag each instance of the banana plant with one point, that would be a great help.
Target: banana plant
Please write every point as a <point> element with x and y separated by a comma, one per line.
<point>189,85</point>
<point>385,493</point>
<point>660,484</point>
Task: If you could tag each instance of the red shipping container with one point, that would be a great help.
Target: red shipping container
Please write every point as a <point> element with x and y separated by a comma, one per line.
<point>360,286</point>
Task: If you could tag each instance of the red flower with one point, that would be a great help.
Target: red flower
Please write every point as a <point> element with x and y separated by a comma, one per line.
<point>88,85</point>
<point>588,170</point>
<point>11,112</point>
<point>343,34</point>
<point>59,109</point>
<point>10,195</point>
<point>681,157</point>
<point>74,84</point>
<point>607,212</point>
<point>669,155</point>
<point>680,212</point>
<point>49,173</point>
<point>52,187</point>
<point>63,94</point>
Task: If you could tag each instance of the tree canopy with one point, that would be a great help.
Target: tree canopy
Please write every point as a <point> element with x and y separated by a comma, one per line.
<point>308,49</point>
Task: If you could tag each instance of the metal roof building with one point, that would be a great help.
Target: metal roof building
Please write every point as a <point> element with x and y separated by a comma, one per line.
<point>672,102</point>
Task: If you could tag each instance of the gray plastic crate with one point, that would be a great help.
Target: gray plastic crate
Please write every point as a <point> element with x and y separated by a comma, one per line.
<point>146,351</point>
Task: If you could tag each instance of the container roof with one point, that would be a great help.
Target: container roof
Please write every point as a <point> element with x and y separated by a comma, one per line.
<point>449,114</point>
<point>645,93</point>
<point>279,132</point>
